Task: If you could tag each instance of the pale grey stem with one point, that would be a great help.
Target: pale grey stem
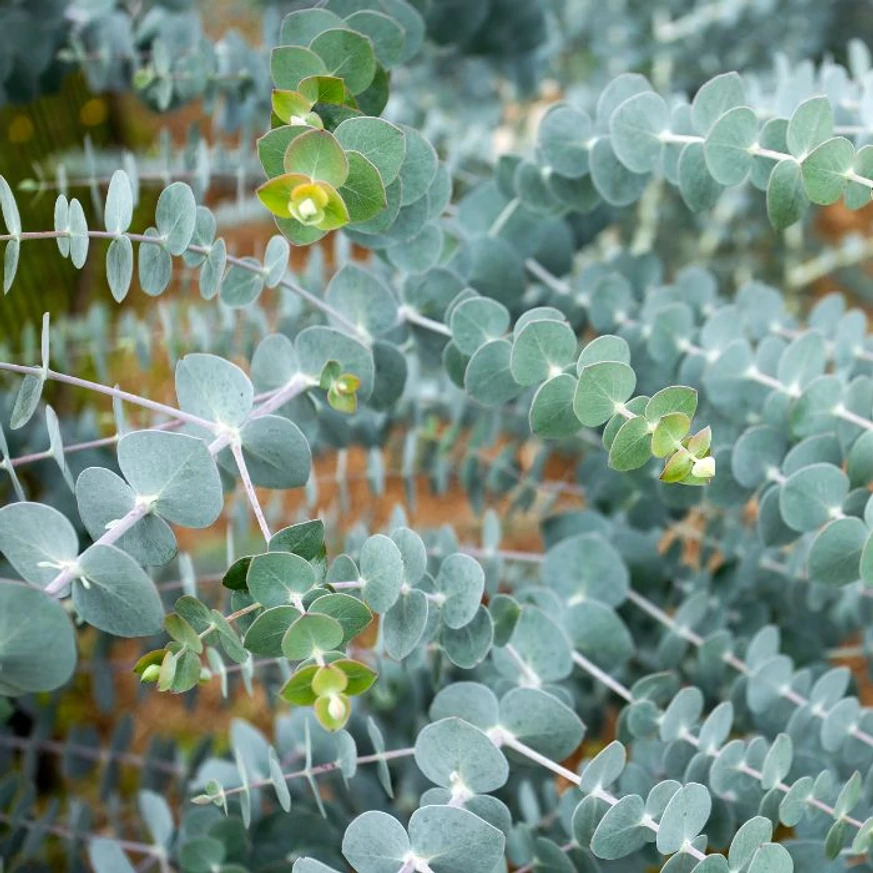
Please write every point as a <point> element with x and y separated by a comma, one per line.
<point>327,768</point>
<point>297,289</point>
<point>535,268</point>
<point>111,392</point>
<point>65,833</point>
<point>252,495</point>
<point>607,680</point>
<point>410,316</point>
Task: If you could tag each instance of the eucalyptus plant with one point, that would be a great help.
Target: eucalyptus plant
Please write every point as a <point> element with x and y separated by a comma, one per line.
<point>651,688</point>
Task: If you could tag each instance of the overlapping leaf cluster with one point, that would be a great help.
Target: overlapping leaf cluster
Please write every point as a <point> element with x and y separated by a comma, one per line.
<point>787,145</point>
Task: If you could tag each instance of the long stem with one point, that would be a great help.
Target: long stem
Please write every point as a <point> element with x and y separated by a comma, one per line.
<point>530,677</point>
<point>234,616</point>
<point>756,375</point>
<point>412,317</point>
<point>242,264</point>
<point>848,415</point>
<point>732,660</point>
<point>110,392</point>
<point>201,250</point>
<point>68,450</point>
<point>327,768</point>
<point>851,252</point>
<point>700,18</point>
<point>58,831</point>
<point>73,448</point>
<point>505,554</point>
<point>759,151</point>
<point>504,216</point>
<point>255,503</point>
<point>94,754</point>
<point>535,268</point>
<point>602,676</point>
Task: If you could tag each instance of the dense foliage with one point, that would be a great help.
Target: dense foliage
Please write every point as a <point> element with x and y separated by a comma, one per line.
<point>619,292</point>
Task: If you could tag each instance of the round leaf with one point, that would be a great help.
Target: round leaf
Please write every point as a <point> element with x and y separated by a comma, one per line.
<point>542,722</point>
<point>276,453</point>
<point>541,350</point>
<point>175,217</point>
<point>381,572</point>
<point>375,842</point>
<point>452,839</point>
<point>461,582</point>
<point>37,540</point>
<point>383,144</point>
<point>37,641</point>
<point>213,388</point>
<point>811,496</point>
<point>113,593</point>
<point>635,128</point>
<point>279,578</point>
<point>318,155</point>
<point>347,55</point>
<point>603,389</point>
<point>175,472</point>
<point>454,754</point>
<point>309,634</point>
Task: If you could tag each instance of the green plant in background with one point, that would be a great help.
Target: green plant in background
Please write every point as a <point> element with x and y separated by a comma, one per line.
<point>431,696</point>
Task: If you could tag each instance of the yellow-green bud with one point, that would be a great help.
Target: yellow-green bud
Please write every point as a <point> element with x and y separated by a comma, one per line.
<point>151,673</point>
<point>704,468</point>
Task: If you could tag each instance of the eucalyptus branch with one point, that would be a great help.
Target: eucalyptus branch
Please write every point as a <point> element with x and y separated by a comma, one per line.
<point>759,151</point>
<point>695,639</point>
<point>99,754</point>
<point>281,396</point>
<point>318,770</point>
<point>144,402</point>
<point>65,833</point>
<point>625,693</point>
<point>752,373</point>
<point>736,663</point>
<point>195,249</point>
<point>575,779</point>
<point>851,251</point>
<point>406,313</point>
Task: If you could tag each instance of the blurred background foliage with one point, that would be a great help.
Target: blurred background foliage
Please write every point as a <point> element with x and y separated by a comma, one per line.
<point>56,92</point>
